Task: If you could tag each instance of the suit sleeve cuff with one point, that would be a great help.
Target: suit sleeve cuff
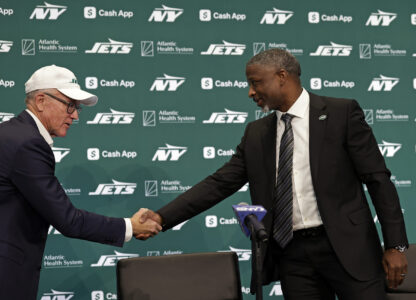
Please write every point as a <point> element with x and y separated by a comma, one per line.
<point>129,230</point>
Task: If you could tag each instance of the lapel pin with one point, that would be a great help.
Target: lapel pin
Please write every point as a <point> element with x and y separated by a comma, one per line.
<point>322,117</point>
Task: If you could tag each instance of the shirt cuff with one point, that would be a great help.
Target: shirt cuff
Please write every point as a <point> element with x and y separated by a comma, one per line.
<point>129,230</point>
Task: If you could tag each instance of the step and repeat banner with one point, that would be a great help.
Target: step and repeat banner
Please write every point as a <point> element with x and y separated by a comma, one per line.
<point>173,105</point>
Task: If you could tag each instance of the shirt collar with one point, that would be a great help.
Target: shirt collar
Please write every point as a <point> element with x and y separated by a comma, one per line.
<point>300,106</point>
<point>42,130</point>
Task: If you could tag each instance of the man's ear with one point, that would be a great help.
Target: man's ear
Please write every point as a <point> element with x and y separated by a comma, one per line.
<point>40,102</point>
<point>283,75</point>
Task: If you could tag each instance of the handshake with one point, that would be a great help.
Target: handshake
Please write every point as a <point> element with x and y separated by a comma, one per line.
<point>146,223</point>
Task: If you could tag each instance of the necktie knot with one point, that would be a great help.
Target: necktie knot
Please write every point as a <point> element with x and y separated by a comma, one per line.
<point>287,118</point>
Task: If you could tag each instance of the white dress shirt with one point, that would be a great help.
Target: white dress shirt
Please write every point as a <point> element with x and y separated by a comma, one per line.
<point>45,134</point>
<point>305,206</point>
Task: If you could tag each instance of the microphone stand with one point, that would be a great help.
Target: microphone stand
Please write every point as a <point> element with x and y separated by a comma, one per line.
<point>255,246</point>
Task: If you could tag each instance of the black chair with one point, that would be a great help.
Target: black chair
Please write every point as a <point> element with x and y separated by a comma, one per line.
<point>407,290</point>
<point>202,276</point>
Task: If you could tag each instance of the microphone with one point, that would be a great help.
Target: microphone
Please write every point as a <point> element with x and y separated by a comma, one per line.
<point>249,217</point>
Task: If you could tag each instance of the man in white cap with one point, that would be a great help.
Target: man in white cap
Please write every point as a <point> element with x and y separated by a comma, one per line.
<point>31,197</point>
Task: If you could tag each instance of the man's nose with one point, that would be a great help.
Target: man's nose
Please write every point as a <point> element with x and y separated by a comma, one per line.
<point>251,92</point>
<point>75,115</point>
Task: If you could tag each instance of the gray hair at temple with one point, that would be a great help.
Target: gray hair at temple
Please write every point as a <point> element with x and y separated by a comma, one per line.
<point>279,58</point>
<point>31,95</point>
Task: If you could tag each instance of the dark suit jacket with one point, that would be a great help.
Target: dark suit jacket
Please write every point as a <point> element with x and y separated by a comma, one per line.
<point>31,198</point>
<point>343,155</point>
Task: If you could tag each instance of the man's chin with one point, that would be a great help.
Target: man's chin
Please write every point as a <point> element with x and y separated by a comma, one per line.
<point>60,134</point>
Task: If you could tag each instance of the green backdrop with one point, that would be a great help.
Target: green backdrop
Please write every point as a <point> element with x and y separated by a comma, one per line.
<point>173,105</point>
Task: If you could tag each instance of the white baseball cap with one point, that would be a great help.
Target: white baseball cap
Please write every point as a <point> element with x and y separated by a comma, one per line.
<point>62,79</point>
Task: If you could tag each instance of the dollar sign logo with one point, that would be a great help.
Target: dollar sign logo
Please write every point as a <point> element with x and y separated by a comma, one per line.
<point>206,83</point>
<point>209,152</point>
<point>93,154</point>
<point>205,14</point>
<point>313,17</point>
<point>98,295</point>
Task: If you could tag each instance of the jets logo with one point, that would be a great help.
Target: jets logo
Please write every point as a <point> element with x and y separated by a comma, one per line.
<point>5,46</point>
<point>225,49</point>
<point>332,50</point>
<point>111,260</point>
<point>115,188</point>
<point>228,116</point>
<point>115,117</point>
<point>5,116</point>
<point>112,47</point>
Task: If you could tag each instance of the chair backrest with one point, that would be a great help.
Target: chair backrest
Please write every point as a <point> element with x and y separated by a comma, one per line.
<point>407,290</point>
<point>202,276</point>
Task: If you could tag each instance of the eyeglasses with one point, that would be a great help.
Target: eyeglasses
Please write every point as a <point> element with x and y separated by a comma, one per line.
<point>71,107</point>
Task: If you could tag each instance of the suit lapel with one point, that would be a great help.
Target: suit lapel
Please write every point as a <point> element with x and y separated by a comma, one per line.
<point>268,139</point>
<point>26,118</point>
<point>318,117</point>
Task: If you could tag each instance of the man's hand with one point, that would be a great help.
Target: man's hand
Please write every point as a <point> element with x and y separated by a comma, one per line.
<point>147,216</point>
<point>142,230</point>
<point>395,266</point>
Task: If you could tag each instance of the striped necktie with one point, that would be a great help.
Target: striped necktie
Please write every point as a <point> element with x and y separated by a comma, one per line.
<point>283,204</point>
